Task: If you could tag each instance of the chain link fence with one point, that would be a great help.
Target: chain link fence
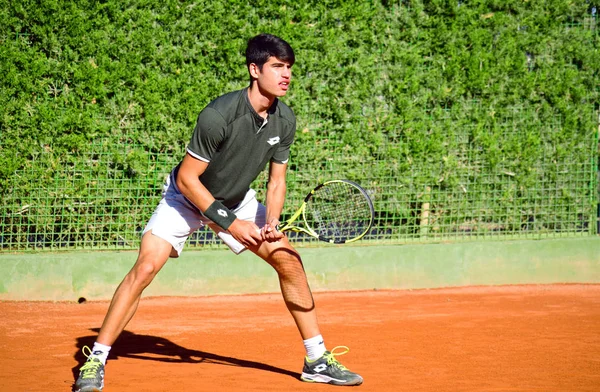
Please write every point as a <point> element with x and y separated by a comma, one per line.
<point>485,184</point>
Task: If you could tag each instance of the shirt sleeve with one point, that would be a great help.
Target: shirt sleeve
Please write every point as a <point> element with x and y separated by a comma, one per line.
<point>208,135</point>
<point>282,155</point>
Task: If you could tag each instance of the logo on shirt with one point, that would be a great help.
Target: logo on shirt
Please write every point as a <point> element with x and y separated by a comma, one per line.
<point>273,141</point>
<point>223,213</point>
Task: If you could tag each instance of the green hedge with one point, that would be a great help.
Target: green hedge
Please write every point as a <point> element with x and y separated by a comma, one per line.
<point>415,73</point>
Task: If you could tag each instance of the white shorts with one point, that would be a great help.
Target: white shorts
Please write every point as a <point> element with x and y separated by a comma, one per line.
<point>175,218</point>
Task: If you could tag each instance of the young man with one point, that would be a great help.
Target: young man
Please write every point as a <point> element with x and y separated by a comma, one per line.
<point>235,136</point>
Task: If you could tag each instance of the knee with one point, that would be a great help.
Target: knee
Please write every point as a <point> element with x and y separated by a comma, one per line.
<point>290,265</point>
<point>142,273</point>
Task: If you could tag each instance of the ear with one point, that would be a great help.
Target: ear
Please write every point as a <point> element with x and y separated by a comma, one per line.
<point>254,70</point>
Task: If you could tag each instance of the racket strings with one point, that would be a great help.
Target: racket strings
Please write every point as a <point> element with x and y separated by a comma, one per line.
<point>338,211</point>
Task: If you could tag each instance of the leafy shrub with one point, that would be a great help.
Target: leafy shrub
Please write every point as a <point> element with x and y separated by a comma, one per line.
<point>386,93</point>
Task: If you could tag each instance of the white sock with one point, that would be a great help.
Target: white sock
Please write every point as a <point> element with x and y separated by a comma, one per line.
<point>100,351</point>
<point>315,347</point>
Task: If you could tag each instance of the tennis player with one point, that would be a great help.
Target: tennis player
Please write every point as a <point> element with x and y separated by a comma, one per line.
<point>236,135</point>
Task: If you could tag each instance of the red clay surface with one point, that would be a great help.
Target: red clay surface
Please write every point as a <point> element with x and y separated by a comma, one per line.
<point>510,338</point>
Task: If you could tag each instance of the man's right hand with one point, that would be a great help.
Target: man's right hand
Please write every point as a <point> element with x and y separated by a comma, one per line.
<point>246,233</point>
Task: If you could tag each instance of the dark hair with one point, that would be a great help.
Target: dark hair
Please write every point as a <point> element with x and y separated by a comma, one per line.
<point>263,46</point>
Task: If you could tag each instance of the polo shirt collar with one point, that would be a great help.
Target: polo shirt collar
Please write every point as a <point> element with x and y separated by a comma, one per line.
<point>259,120</point>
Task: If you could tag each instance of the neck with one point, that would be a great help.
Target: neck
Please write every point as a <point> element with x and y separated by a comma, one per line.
<point>260,101</point>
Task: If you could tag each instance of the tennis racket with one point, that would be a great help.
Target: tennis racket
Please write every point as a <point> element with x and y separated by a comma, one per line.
<point>337,211</point>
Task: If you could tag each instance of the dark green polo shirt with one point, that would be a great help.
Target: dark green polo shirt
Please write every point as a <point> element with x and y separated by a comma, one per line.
<point>238,143</point>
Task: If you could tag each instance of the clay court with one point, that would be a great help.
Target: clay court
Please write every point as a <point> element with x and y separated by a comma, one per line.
<point>503,338</point>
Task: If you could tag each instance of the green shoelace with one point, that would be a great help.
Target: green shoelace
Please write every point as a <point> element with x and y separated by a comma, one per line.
<point>91,366</point>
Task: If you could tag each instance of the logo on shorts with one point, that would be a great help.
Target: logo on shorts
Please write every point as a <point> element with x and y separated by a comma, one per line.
<point>222,212</point>
<point>273,141</point>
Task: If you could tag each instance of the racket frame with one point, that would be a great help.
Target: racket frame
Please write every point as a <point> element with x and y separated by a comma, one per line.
<point>289,226</point>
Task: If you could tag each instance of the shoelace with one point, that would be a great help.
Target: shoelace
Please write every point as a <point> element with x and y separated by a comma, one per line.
<point>332,354</point>
<point>91,366</point>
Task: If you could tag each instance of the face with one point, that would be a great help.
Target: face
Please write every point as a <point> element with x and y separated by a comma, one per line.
<point>274,78</point>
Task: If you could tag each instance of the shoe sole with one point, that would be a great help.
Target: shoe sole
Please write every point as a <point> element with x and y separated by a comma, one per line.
<point>88,390</point>
<point>319,378</point>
